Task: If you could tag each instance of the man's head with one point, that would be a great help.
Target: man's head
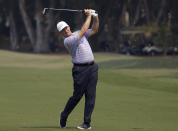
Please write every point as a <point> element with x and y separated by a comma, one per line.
<point>64,29</point>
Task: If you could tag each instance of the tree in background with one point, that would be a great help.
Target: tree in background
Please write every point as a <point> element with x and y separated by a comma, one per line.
<point>27,25</point>
<point>40,33</point>
<point>8,21</point>
<point>174,22</point>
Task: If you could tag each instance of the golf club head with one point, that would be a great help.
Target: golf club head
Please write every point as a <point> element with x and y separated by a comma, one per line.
<point>44,11</point>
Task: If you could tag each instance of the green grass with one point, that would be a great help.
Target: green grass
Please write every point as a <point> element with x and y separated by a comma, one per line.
<point>133,93</point>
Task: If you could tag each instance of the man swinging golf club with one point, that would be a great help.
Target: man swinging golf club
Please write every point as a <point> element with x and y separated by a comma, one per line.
<point>84,71</point>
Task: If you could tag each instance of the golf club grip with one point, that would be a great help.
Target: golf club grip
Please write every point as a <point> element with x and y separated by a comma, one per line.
<point>83,11</point>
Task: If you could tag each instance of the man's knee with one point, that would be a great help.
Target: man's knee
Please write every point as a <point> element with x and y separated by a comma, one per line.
<point>76,98</point>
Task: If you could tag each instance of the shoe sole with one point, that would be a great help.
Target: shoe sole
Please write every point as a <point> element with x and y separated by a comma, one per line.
<point>83,128</point>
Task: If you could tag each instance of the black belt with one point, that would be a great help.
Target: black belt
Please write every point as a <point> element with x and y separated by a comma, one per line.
<point>84,64</point>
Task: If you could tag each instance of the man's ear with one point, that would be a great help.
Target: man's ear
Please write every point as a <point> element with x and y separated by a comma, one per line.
<point>60,33</point>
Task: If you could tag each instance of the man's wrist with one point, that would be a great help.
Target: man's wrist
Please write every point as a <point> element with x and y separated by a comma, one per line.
<point>89,16</point>
<point>94,14</point>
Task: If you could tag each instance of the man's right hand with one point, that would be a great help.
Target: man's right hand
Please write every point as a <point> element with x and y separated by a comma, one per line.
<point>88,12</point>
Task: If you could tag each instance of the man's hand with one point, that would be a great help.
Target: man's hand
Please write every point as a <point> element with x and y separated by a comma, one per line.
<point>94,14</point>
<point>90,12</point>
<point>87,12</point>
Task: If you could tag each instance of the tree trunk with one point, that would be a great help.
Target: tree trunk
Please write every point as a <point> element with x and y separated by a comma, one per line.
<point>50,25</point>
<point>78,18</point>
<point>106,16</point>
<point>117,35</point>
<point>161,10</point>
<point>104,21</point>
<point>122,18</point>
<point>41,45</point>
<point>137,13</point>
<point>43,35</point>
<point>28,23</point>
<point>50,21</point>
<point>147,11</point>
<point>13,32</point>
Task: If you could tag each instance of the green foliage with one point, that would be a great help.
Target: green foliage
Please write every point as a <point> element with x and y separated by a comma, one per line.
<point>152,28</point>
<point>163,35</point>
<point>167,35</point>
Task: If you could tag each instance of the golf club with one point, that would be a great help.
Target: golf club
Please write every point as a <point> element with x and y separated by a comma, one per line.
<point>71,10</point>
<point>45,9</point>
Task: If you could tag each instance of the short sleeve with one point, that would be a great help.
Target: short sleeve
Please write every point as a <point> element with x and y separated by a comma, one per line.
<point>87,33</point>
<point>71,39</point>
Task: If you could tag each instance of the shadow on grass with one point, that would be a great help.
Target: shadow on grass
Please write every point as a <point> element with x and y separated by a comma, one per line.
<point>50,127</point>
<point>141,63</point>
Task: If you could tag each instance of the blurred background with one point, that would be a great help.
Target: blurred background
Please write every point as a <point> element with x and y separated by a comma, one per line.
<point>135,91</point>
<point>131,27</point>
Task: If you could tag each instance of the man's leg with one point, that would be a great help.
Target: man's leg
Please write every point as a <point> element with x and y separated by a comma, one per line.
<point>80,82</point>
<point>71,103</point>
<point>90,94</point>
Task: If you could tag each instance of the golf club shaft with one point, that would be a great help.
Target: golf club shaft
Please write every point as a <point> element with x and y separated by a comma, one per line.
<point>70,10</point>
<point>61,10</point>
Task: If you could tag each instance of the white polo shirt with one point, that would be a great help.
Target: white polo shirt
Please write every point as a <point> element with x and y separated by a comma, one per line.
<point>79,49</point>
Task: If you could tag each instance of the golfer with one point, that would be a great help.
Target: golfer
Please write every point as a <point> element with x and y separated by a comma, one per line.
<point>84,71</point>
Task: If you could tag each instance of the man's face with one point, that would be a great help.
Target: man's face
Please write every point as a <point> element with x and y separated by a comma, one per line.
<point>66,32</point>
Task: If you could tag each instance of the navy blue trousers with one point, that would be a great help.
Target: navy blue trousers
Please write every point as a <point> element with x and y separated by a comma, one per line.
<point>85,81</point>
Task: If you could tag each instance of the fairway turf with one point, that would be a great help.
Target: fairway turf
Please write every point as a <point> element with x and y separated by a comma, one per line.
<point>133,93</point>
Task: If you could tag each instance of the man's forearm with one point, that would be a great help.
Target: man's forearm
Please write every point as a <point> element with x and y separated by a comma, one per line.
<point>85,26</point>
<point>95,25</point>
